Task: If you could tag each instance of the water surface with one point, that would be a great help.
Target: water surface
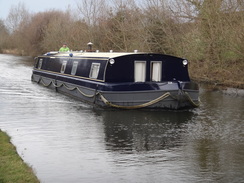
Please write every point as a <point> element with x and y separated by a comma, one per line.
<point>65,140</point>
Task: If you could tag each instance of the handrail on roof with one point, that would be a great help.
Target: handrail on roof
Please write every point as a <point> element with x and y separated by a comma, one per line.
<point>91,54</point>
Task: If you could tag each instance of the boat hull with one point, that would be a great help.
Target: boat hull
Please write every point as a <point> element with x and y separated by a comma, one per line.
<point>167,95</point>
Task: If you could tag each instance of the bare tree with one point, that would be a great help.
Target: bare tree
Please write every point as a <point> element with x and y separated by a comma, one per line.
<point>214,40</point>
<point>17,14</point>
<point>4,35</point>
<point>56,30</point>
<point>122,29</point>
<point>90,11</point>
<point>161,26</point>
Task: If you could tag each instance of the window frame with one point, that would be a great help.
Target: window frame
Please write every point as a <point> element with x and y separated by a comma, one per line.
<point>63,67</point>
<point>40,63</point>
<point>140,75</point>
<point>159,71</point>
<point>74,67</point>
<point>94,71</point>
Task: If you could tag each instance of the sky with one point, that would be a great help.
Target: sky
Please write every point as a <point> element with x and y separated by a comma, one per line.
<point>34,6</point>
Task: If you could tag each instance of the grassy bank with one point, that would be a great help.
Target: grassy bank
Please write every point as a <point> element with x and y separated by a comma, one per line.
<point>12,167</point>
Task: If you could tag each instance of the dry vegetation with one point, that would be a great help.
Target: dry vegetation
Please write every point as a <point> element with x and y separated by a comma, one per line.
<point>210,34</point>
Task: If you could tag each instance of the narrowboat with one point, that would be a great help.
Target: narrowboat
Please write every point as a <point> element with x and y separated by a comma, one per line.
<point>130,80</point>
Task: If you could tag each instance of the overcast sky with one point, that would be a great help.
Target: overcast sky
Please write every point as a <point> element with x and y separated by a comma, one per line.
<point>36,5</point>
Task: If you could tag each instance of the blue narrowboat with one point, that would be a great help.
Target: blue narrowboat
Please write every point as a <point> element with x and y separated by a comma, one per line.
<point>120,80</point>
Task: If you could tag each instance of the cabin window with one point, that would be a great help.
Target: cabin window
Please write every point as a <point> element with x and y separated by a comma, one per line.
<point>94,70</point>
<point>63,66</point>
<point>74,68</point>
<point>40,63</point>
<point>140,71</point>
<point>156,70</point>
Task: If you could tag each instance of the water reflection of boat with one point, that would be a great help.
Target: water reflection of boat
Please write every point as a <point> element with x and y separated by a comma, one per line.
<point>120,80</point>
<point>143,130</point>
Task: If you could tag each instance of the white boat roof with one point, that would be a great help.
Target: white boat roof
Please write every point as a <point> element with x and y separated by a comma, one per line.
<point>91,54</point>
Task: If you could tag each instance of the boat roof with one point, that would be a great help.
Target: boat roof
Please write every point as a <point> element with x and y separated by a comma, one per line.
<point>91,54</point>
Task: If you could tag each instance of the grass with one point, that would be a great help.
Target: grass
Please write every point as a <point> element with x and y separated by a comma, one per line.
<point>12,167</point>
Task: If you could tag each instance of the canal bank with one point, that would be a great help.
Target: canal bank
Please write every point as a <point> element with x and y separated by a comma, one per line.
<point>12,167</point>
<point>222,88</point>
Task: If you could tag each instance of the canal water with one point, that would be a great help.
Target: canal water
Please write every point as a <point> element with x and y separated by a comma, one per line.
<point>67,141</point>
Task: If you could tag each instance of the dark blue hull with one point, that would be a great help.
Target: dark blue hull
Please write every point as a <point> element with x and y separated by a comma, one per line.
<point>166,95</point>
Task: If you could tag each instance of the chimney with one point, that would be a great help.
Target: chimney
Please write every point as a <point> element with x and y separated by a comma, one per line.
<point>89,46</point>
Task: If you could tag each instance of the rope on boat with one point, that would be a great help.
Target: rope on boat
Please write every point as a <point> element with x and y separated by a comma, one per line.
<point>195,104</point>
<point>63,84</point>
<point>135,106</point>
<point>55,85</point>
<point>44,84</point>
<point>105,101</point>
<point>89,96</point>
<point>70,89</point>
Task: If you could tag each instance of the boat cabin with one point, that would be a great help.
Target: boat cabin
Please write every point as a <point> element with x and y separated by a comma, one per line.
<point>116,67</point>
